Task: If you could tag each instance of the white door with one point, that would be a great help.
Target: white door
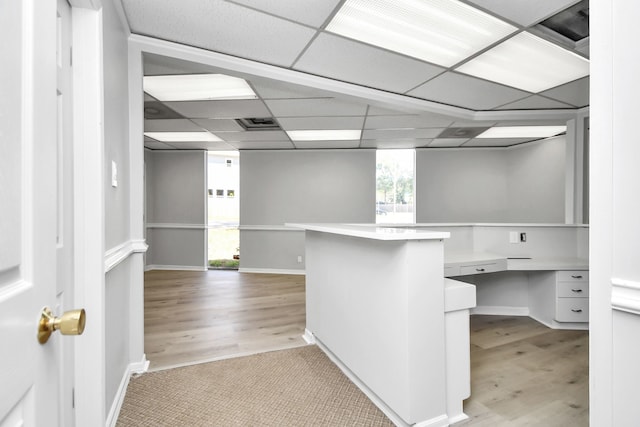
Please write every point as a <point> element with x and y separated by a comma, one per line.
<point>29,371</point>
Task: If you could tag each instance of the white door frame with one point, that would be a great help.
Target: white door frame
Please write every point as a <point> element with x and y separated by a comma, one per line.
<point>88,136</point>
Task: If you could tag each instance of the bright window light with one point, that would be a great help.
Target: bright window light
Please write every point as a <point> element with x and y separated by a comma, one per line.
<point>443,32</point>
<point>528,62</point>
<point>522,132</point>
<point>197,87</point>
<point>183,136</point>
<point>323,135</point>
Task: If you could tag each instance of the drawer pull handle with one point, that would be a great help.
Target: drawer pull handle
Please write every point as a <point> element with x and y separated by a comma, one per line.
<point>576,311</point>
<point>480,269</point>
<point>577,277</point>
<point>576,290</point>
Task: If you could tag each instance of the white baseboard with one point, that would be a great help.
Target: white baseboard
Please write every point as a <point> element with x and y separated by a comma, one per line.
<point>458,418</point>
<point>500,310</point>
<point>271,271</point>
<point>439,421</point>
<point>175,267</point>
<point>574,326</point>
<point>133,368</point>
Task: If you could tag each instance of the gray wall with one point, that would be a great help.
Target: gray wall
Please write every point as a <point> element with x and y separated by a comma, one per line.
<point>520,184</point>
<point>299,186</point>
<point>176,208</point>
<point>117,209</point>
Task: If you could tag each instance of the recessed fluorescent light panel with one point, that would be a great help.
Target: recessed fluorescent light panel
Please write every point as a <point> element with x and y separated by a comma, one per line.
<point>442,32</point>
<point>323,135</point>
<point>528,62</point>
<point>522,132</point>
<point>197,87</point>
<point>183,136</point>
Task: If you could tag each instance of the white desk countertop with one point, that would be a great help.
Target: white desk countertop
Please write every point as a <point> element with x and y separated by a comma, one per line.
<point>374,232</point>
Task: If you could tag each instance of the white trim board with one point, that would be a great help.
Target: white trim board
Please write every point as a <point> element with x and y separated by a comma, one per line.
<point>271,271</point>
<point>178,226</point>
<point>133,368</point>
<point>116,255</point>
<point>175,267</point>
<point>625,295</point>
<point>491,310</point>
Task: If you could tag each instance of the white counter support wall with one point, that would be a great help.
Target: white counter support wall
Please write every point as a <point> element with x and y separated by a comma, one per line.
<point>378,307</point>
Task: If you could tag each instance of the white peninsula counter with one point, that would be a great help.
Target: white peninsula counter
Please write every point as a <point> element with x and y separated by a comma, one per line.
<point>376,305</point>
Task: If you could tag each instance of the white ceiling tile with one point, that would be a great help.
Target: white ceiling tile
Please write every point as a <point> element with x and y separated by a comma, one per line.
<point>401,133</point>
<point>574,93</point>
<point>472,124</point>
<point>468,92</point>
<point>496,142</point>
<point>309,12</point>
<point>212,146</point>
<point>157,145</point>
<point>354,62</point>
<point>253,135</point>
<point>262,145</point>
<point>407,122</point>
<point>314,107</point>
<point>531,123</point>
<point>375,110</point>
<point>395,143</point>
<point>158,65</point>
<point>272,89</point>
<point>305,123</point>
<point>171,125</point>
<point>534,102</point>
<point>327,144</point>
<point>524,12</point>
<point>221,109</point>
<point>220,26</point>
<point>448,142</point>
<point>219,124</point>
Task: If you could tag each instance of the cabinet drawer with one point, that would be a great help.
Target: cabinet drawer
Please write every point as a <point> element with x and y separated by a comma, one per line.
<point>480,268</point>
<point>573,276</point>
<point>572,309</point>
<point>572,290</point>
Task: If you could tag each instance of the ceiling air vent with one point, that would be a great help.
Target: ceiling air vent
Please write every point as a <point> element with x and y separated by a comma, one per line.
<point>461,132</point>
<point>259,123</point>
<point>572,23</point>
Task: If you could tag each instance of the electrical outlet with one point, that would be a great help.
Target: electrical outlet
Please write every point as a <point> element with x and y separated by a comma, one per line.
<point>523,237</point>
<point>514,237</point>
<point>299,258</point>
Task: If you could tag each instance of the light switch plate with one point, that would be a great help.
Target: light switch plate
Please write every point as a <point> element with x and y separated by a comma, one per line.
<point>514,237</point>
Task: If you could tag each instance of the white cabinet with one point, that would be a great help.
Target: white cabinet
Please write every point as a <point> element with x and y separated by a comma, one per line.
<point>560,299</point>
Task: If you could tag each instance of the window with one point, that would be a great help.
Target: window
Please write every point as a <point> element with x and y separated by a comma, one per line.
<point>395,176</point>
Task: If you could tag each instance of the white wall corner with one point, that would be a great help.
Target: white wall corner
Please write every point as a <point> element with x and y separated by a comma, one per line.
<point>134,368</point>
<point>625,295</point>
<point>308,337</point>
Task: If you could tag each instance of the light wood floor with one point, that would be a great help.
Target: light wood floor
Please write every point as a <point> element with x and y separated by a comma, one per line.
<point>523,373</point>
<point>193,316</point>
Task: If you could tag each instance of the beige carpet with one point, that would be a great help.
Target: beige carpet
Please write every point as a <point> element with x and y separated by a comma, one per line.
<point>296,387</point>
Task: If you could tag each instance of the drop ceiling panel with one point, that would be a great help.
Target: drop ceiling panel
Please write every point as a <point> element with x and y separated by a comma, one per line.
<point>468,92</point>
<point>382,111</point>
<point>221,109</point>
<point>496,142</point>
<point>262,145</point>
<point>255,135</point>
<point>448,142</point>
<point>271,89</point>
<point>222,27</point>
<point>219,125</point>
<point>212,146</point>
<point>574,93</point>
<point>406,122</point>
<point>327,144</point>
<point>171,125</point>
<point>534,102</point>
<point>158,65</point>
<point>313,123</point>
<point>314,107</point>
<point>401,133</point>
<point>354,62</point>
<point>157,145</point>
<point>395,143</point>
<point>524,12</point>
<point>308,12</point>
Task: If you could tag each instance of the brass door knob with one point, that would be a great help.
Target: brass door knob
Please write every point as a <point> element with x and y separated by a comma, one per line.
<point>70,323</point>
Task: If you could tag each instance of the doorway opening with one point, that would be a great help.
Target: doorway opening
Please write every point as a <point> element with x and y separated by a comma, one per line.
<point>395,177</point>
<point>223,183</point>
